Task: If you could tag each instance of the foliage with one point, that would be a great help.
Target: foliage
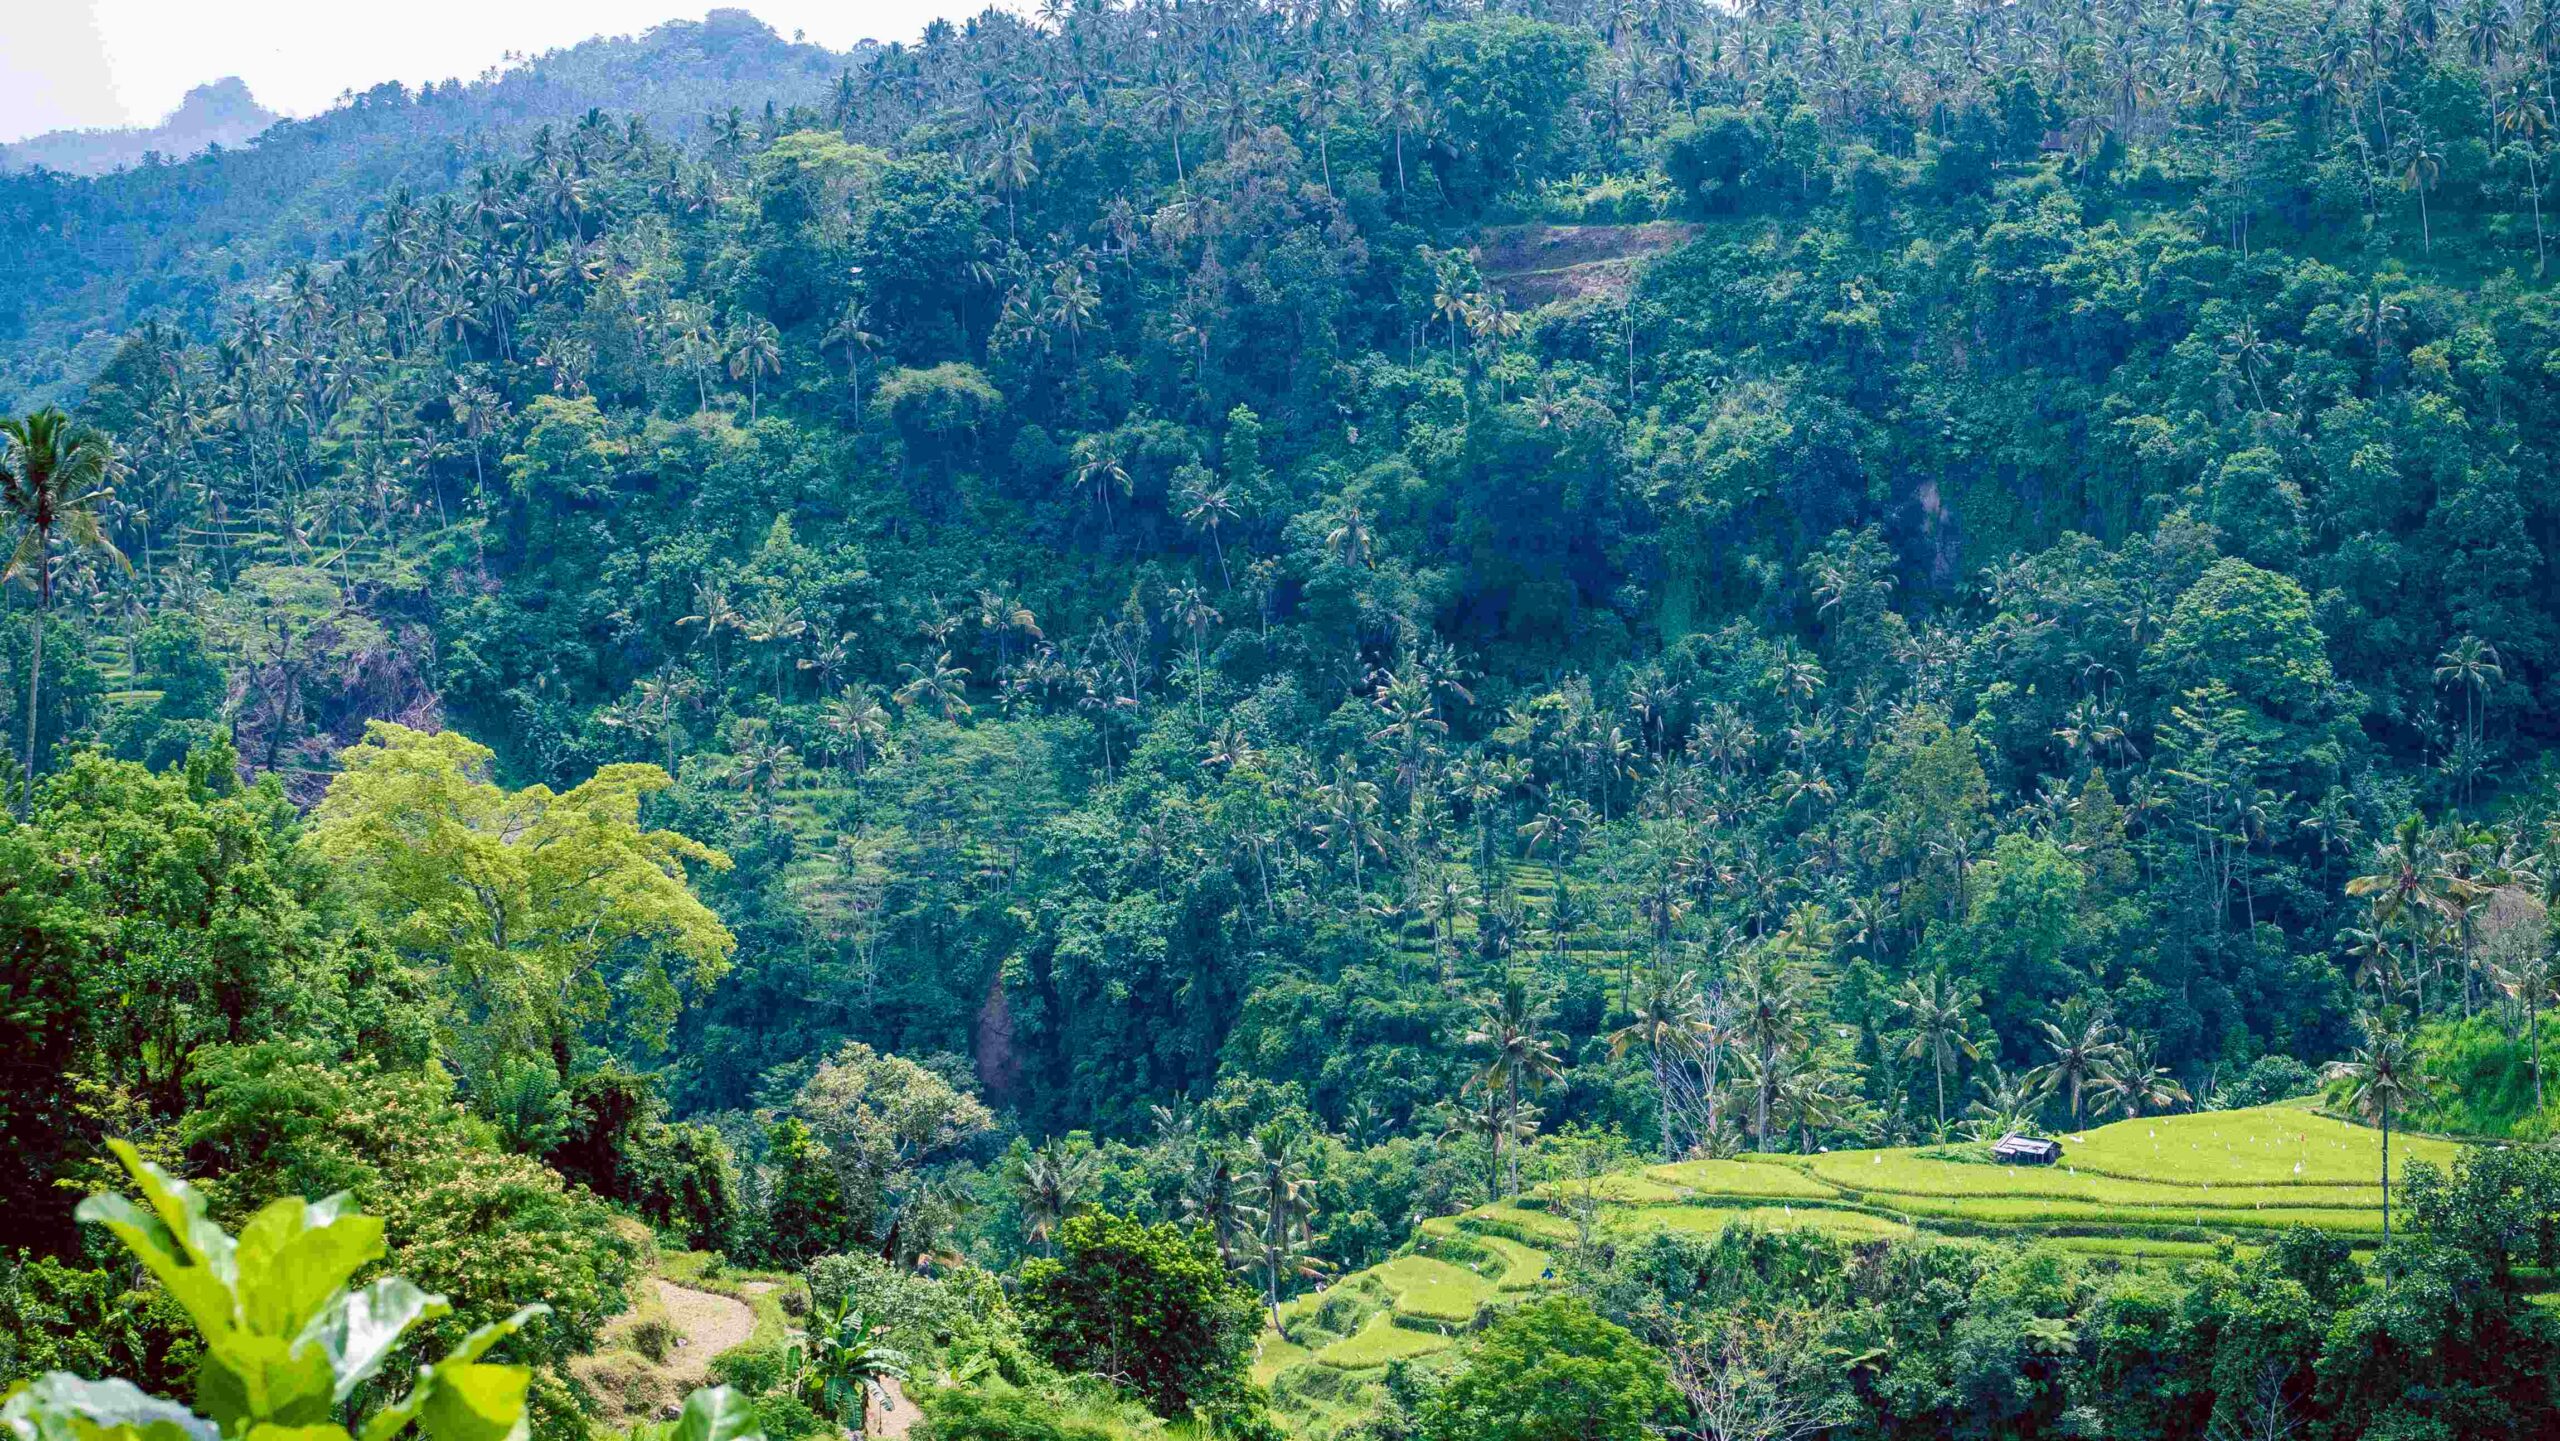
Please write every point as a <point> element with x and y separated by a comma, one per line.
<point>1148,1307</point>
<point>287,1343</point>
<point>536,908</point>
<point>1549,1371</point>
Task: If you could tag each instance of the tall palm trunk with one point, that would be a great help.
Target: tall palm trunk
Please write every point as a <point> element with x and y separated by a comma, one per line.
<point>1662,1086</point>
<point>2533,1023</point>
<point>2386,1178</point>
<point>35,681</point>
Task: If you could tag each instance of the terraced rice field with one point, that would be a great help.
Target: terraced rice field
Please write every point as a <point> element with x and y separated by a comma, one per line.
<point>2146,1192</point>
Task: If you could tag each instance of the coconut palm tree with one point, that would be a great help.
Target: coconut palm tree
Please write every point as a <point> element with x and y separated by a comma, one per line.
<point>859,724</point>
<point>2083,1046</point>
<point>1051,1182</point>
<point>1283,1199</point>
<point>937,684</point>
<point>1519,1056</point>
<point>2134,1083</point>
<point>1772,1018</point>
<point>2471,665</point>
<point>2003,1105</point>
<point>755,351</point>
<point>1211,1195</point>
<point>1671,1024</point>
<point>2531,979</point>
<point>2382,1076</point>
<point>1941,1013</point>
<point>54,474</point>
<point>2400,891</point>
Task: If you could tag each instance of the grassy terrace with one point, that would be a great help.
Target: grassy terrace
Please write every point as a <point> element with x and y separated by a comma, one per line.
<point>2157,1191</point>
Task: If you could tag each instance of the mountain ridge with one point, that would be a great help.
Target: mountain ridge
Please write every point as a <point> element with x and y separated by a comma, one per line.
<point>218,112</point>
<point>96,254</point>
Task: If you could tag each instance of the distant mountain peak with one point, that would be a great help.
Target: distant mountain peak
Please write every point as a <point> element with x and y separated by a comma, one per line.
<point>218,112</point>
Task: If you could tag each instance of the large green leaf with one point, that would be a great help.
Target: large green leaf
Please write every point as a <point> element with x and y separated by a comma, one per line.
<point>294,1255</point>
<point>176,1239</point>
<point>716,1413</point>
<point>330,1431</point>
<point>245,1379</point>
<point>62,1407</point>
<point>391,1420</point>
<point>361,1328</point>
<point>477,1403</point>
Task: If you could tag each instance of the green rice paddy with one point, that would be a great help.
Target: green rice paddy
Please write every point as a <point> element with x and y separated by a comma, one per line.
<point>2156,1191</point>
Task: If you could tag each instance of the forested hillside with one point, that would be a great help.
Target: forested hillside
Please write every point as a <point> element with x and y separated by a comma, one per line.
<point>1110,658</point>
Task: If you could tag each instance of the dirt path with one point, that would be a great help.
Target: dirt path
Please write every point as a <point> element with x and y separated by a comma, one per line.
<point>709,1325</point>
<point>897,1420</point>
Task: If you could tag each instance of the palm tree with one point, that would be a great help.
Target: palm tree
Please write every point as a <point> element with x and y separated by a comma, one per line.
<point>1671,1023</point>
<point>54,474</point>
<point>755,351</point>
<point>1210,1196</point>
<point>859,724</point>
<point>938,684</point>
<point>1520,1056</point>
<point>2134,1084</point>
<point>2080,1054</point>
<point>2472,664</point>
<point>2398,889</point>
<point>2382,1076</point>
<point>1283,1198</point>
<point>1773,1007</point>
<point>2004,1105</point>
<point>2531,979</point>
<point>2421,163</point>
<point>1941,1014</point>
<point>1051,1182</point>
<point>714,612</point>
<point>853,335</point>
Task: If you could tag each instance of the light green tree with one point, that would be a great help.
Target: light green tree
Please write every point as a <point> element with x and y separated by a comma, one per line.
<point>523,901</point>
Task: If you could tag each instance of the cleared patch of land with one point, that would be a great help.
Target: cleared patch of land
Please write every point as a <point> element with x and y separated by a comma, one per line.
<point>1535,264</point>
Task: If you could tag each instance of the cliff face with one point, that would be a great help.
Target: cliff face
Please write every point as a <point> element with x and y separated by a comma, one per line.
<point>221,113</point>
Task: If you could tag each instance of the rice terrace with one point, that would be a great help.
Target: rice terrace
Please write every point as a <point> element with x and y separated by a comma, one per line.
<point>2149,1191</point>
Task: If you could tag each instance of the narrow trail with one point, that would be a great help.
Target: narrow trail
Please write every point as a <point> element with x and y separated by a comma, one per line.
<point>709,1325</point>
<point>898,1419</point>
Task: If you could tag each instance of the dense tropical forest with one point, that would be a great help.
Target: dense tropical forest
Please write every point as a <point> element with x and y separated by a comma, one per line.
<point>1033,704</point>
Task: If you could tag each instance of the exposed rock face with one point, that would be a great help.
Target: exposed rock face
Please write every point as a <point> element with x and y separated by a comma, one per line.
<point>221,113</point>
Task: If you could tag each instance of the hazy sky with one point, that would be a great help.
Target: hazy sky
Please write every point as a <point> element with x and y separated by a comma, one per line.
<point>124,62</point>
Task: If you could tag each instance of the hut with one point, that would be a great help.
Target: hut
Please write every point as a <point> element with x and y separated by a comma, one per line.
<point>2027,1151</point>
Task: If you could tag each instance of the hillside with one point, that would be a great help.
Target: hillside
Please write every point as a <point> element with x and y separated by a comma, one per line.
<point>1063,676</point>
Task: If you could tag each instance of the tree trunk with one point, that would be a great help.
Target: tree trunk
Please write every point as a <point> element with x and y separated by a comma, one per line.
<point>1662,1085</point>
<point>2533,1022</point>
<point>35,681</point>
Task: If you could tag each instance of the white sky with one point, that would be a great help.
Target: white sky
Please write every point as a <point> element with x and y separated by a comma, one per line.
<point>70,63</point>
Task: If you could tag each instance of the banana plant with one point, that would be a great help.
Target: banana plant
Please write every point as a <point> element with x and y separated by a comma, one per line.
<point>287,1343</point>
<point>845,1368</point>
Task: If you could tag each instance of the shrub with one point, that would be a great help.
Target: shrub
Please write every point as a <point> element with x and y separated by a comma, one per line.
<point>1004,1416</point>
<point>784,1417</point>
<point>1153,1303</point>
<point>753,1370</point>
